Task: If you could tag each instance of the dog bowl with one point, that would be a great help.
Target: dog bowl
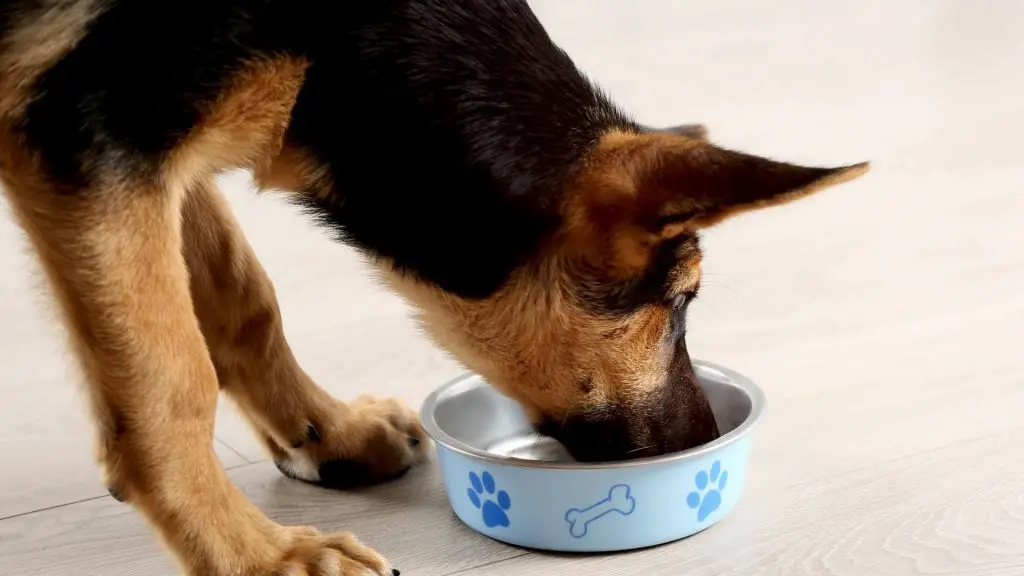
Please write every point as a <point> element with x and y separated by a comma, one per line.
<point>507,482</point>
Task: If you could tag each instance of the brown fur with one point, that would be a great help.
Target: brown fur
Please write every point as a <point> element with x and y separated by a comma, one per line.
<point>554,347</point>
<point>128,261</point>
<point>628,200</point>
<point>237,309</point>
<point>294,170</point>
<point>244,128</point>
<point>536,341</point>
<point>153,372</point>
<point>166,303</point>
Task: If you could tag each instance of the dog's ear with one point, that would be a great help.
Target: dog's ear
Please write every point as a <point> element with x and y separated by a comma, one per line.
<point>697,184</point>
<point>695,131</point>
<point>641,189</point>
<point>662,179</point>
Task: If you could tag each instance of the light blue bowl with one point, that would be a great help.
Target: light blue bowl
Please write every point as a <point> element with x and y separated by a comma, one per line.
<point>508,483</point>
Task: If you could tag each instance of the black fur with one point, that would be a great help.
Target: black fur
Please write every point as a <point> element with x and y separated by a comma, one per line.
<point>448,126</point>
<point>6,14</point>
<point>449,129</point>
<point>131,89</point>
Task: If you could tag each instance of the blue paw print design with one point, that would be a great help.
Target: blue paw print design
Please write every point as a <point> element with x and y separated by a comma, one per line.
<point>708,495</point>
<point>493,506</point>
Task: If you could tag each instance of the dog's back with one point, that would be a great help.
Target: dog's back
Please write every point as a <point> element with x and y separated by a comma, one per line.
<point>478,80</point>
<point>401,98</point>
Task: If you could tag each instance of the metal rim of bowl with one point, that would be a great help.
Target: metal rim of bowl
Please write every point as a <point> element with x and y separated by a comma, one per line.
<point>757,411</point>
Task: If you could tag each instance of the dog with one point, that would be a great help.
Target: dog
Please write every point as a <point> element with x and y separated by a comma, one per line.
<point>546,239</point>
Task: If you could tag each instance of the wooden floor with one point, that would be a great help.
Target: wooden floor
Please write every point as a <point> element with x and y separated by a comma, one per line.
<point>885,319</point>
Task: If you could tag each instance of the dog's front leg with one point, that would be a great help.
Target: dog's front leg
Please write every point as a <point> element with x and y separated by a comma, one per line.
<point>114,258</point>
<point>309,434</point>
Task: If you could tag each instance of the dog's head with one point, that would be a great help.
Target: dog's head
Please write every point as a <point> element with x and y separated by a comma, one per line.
<point>588,334</point>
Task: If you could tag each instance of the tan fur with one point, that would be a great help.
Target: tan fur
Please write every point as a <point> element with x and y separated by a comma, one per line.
<point>633,181</point>
<point>605,213</point>
<point>244,128</point>
<point>239,316</point>
<point>151,384</point>
<point>165,303</point>
<point>534,339</point>
<point>838,176</point>
<point>535,342</point>
<point>294,170</point>
<point>127,268</point>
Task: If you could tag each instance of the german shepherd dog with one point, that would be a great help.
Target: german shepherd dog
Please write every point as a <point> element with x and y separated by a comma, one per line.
<point>548,241</point>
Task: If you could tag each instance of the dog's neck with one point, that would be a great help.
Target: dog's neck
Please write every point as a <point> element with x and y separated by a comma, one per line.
<point>448,138</point>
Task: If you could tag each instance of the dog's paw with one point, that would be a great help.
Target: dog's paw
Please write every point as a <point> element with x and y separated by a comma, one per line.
<point>366,441</point>
<point>308,553</point>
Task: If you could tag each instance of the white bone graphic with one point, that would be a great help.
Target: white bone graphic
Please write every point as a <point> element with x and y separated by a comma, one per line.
<point>618,500</point>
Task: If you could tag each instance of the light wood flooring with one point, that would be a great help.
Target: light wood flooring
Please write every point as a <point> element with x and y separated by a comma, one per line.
<point>885,319</point>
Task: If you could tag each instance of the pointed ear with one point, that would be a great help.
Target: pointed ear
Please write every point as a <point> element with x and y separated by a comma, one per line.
<point>639,189</point>
<point>695,131</point>
<point>683,182</point>
<point>701,185</point>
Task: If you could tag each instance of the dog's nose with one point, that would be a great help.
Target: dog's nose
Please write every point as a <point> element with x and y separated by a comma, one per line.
<point>603,437</point>
<point>620,433</point>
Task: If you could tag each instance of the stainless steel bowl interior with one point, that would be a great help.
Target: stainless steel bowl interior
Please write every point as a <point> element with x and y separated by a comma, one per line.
<point>470,417</point>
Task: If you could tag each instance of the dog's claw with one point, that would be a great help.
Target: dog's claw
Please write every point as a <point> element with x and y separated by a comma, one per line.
<point>115,494</point>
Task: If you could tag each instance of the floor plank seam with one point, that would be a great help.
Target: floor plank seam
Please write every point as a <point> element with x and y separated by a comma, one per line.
<point>97,497</point>
<point>53,507</point>
<point>523,554</point>
<point>236,452</point>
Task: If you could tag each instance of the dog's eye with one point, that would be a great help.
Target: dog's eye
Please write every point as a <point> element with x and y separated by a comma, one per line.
<point>681,301</point>
<point>679,305</point>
